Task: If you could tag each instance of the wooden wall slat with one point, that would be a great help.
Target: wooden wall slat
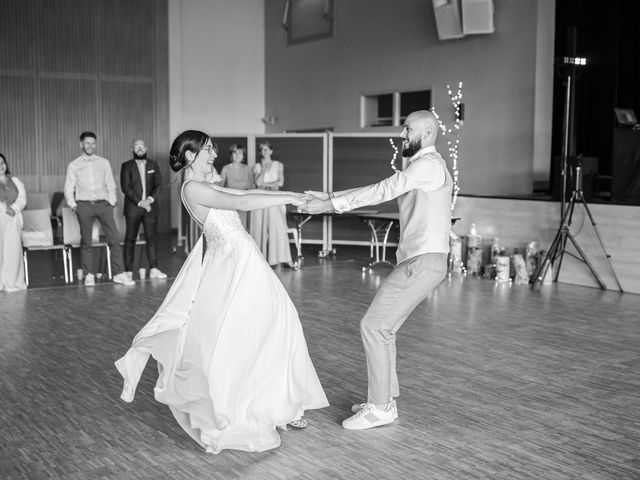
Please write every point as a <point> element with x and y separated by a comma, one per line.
<point>17,118</point>
<point>126,34</point>
<point>17,41</point>
<point>67,109</point>
<point>74,65</point>
<point>127,115</point>
<point>66,36</point>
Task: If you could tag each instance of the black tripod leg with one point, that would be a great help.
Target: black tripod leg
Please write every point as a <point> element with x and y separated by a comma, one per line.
<point>586,260</point>
<point>595,229</point>
<point>568,215</point>
<point>540,273</point>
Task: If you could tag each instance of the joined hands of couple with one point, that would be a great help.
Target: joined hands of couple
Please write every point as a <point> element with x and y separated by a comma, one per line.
<point>313,202</point>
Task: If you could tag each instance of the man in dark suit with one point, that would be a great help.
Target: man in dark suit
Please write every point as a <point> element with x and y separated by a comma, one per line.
<point>140,181</point>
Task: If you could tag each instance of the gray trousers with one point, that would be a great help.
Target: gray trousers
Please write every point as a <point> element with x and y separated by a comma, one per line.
<point>87,212</point>
<point>399,294</point>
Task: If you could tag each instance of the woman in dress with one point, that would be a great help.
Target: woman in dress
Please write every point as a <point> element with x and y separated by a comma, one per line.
<point>237,175</point>
<point>268,227</point>
<point>232,356</point>
<point>13,199</point>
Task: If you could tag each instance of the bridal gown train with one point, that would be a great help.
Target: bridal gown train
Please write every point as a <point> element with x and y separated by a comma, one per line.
<point>232,359</point>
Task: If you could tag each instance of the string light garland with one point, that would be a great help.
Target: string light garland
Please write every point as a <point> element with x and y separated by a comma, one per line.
<point>395,154</point>
<point>453,146</point>
<point>453,137</point>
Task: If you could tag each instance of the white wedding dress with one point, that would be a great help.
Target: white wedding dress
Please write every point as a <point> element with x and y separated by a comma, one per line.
<point>231,353</point>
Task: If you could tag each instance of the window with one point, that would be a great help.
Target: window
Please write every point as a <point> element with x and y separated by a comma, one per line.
<point>391,109</point>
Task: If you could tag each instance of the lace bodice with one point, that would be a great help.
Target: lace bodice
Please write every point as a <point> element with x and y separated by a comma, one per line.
<point>223,230</point>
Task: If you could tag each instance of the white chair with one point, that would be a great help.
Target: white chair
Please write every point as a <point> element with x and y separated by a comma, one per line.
<point>38,201</point>
<point>37,234</point>
<point>71,238</point>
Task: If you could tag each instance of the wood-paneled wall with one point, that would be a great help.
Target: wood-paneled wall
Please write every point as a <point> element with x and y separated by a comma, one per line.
<point>75,65</point>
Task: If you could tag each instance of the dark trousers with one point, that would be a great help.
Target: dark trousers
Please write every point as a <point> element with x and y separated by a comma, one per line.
<point>103,211</point>
<point>134,218</point>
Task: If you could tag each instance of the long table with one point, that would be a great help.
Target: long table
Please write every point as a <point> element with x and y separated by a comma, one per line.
<point>380,225</point>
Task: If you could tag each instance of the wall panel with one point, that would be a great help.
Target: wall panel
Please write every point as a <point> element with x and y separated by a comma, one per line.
<point>75,65</point>
<point>16,127</point>
<point>67,109</point>
<point>126,32</point>
<point>16,35</point>
<point>127,115</point>
<point>66,36</point>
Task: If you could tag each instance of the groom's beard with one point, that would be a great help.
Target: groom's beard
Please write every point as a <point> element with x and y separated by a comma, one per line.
<point>411,149</point>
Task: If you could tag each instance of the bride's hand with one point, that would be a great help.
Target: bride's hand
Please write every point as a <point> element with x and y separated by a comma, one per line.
<point>319,195</point>
<point>298,199</point>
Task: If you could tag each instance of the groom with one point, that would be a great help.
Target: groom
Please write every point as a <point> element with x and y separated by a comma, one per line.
<point>423,190</point>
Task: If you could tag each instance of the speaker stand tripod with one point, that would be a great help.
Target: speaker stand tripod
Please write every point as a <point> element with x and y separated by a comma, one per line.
<point>558,247</point>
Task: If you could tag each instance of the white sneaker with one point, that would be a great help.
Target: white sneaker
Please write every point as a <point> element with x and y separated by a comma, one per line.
<point>155,273</point>
<point>129,274</point>
<point>89,280</point>
<point>356,407</point>
<point>369,416</point>
<point>123,279</point>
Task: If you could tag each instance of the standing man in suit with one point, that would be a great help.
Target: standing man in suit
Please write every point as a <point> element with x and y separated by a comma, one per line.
<point>140,181</point>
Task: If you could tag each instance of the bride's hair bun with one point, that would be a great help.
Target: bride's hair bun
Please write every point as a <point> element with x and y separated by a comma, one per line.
<point>188,141</point>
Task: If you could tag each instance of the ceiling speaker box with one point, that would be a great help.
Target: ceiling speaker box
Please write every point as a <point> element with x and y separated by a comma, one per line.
<point>447,14</point>
<point>477,17</point>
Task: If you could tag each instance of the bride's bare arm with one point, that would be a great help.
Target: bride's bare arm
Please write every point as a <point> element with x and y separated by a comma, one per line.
<point>229,199</point>
<point>233,191</point>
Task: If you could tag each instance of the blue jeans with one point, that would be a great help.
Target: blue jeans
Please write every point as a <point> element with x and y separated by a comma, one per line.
<point>400,293</point>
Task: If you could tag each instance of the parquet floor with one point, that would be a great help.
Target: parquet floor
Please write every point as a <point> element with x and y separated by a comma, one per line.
<point>497,382</point>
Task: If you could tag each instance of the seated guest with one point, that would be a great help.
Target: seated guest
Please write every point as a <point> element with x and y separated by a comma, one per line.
<point>268,226</point>
<point>237,175</point>
<point>140,181</point>
<point>13,199</point>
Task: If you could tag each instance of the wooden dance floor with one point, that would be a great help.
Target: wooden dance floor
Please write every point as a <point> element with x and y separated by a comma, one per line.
<point>496,381</point>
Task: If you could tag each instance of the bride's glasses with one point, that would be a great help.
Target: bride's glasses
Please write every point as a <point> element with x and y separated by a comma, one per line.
<point>210,149</point>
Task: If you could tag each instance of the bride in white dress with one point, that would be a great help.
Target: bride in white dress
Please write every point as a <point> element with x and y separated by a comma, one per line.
<point>232,359</point>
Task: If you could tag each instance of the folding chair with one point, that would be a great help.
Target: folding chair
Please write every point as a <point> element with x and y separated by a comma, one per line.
<point>71,238</point>
<point>37,234</point>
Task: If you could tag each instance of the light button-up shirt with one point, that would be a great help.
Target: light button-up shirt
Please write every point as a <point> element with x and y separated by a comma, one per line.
<point>142,168</point>
<point>91,179</point>
<point>423,190</point>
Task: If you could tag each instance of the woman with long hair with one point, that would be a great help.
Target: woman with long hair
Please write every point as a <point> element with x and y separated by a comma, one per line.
<point>268,226</point>
<point>231,353</point>
<point>13,199</point>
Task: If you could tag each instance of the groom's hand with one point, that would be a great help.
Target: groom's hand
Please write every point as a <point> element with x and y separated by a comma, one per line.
<point>318,195</point>
<point>316,206</point>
